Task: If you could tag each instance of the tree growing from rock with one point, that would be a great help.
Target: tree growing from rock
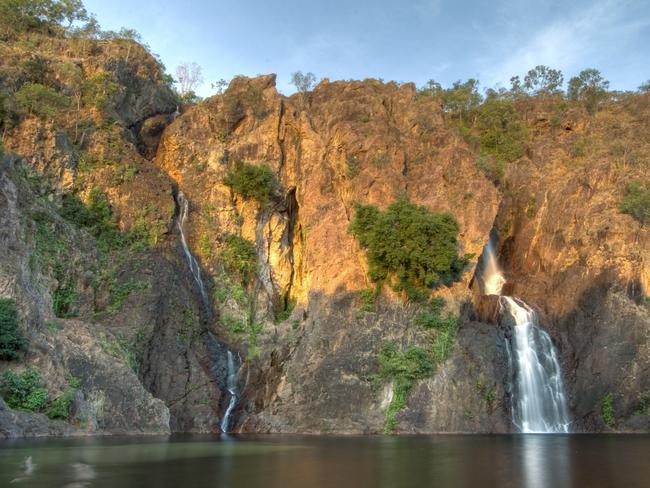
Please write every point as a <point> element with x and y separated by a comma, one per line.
<point>188,77</point>
<point>303,82</point>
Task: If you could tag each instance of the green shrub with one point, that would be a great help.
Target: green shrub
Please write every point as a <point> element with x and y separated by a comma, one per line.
<point>40,100</point>
<point>60,406</point>
<point>607,409</point>
<point>23,391</point>
<point>368,299</point>
<point>119,348</point>
<point>64,296</point>
<point>494,169</point>
<point>432,317</point>
<point>11,339</point>
<point>403,368</point>
<point>502,134</point>
<point>284,313</point>
<point>636,201</point>
<point>408,246</point>
<point>240,257</point>
<point>99,89</point>
<point>96,216</point>
<point>251,181</point>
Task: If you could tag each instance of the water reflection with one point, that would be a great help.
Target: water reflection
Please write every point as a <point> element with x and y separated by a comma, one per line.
<point>545,460</point>
<point>530,461</point>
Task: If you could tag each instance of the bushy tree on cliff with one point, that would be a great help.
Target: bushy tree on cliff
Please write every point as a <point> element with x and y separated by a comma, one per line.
<point>589,88</point>
<point>409,247</point>
<point>458,100</point>
<point>543,81</point>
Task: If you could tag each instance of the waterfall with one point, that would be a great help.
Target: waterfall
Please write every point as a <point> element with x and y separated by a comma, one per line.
<point>218,346</point>
<point>191,260</point>
<point>231,386</point>
<point>539,400</point>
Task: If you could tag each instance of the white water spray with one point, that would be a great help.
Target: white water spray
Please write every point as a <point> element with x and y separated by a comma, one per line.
<point>231,386</point>
<point>191,260</point>
<point>539,400</point>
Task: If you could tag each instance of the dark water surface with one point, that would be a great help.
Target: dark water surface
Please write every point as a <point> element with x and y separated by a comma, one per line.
<point>333,462</point>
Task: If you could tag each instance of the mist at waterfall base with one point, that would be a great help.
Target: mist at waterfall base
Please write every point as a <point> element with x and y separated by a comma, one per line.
<point>530,461</point>
<point>538,396</point>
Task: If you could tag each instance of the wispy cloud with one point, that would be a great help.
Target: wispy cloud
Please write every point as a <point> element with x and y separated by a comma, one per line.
<point>584,35</point>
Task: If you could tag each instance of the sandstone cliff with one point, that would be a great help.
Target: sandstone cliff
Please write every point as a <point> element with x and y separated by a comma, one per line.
<point>150,351</point>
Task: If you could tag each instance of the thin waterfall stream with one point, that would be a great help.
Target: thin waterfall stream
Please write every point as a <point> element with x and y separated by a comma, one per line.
<point>232,371</point>
<point>539,399</point>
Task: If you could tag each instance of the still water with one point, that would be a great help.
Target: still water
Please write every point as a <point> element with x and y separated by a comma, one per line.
<point>534,461</point>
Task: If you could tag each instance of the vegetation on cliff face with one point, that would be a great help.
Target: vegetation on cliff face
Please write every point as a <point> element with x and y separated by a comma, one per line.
<point>25,391</point>
<point>409,247</point>
<point>636,201</point>
<point>251,181</point>
<point>405,368</point>
<point>11,339</point>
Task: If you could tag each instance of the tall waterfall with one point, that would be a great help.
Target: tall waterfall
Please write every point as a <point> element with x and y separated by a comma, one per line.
<point>191,260</point>
<point>232,366</point>
<point>232,391</point>
<point>539,400</point>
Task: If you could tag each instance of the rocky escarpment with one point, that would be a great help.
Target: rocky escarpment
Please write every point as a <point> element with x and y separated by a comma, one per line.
<point>367,142</point>
<point>149,352</point>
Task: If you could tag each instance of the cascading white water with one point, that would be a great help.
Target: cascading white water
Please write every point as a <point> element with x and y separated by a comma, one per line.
<point>539,400</point>
<point>191,260</point>
<point>231,380</point>
<point>231,386</point>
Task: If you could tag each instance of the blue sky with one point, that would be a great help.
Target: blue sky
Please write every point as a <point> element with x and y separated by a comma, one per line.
<point>407,40</point>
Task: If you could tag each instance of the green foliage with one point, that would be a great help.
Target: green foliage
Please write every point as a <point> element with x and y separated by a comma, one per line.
<point>368,299</point>
<point>96,216</point>
<point>99,89</point>
<point>494,169</point>
<point>353,167</point>
<point>432,317</point>
<point>502,134</point>
<point>460,99</point>
<point>60,406</point>
<point>589,88</point>
<point>489,393</point>
<point>18,16</point>
<point>240,257</point>
<point>543,81</point>
<point>11,339</point>
<point>636,201</point>
<point>251,181</point>
<point>285,312</point>
<point>403,369</point>
<point>64,296</point>
<point>409,247</point>
<point>607,410</point>
<point>444,339</point>
<point>119,293</point>
<point>119,348</point>
<point>185,332</point>
<point>52,326</point>
<point>23,391</point>
<point>40,100</point>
